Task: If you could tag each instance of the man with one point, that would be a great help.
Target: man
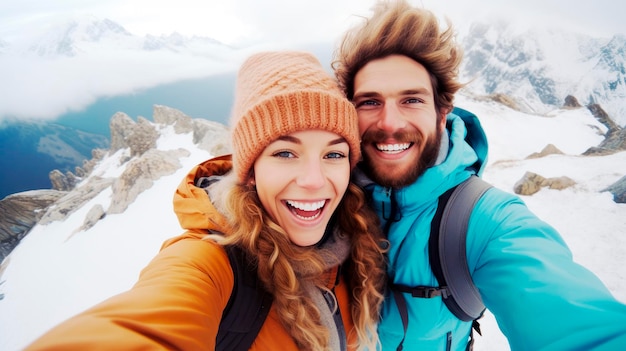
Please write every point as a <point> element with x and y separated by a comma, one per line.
<point>400,70</point>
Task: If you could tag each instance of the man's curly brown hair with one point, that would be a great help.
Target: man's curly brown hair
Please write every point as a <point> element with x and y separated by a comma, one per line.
<point>397,28</point>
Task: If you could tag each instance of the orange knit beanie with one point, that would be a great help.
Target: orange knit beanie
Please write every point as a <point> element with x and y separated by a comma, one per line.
<point>282,92</point>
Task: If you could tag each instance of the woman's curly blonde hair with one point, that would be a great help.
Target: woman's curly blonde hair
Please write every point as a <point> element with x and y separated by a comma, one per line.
<point>364,269</point>
<point>397,28</point>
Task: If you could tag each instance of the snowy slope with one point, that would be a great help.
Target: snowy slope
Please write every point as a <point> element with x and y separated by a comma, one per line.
<point>56,272</point>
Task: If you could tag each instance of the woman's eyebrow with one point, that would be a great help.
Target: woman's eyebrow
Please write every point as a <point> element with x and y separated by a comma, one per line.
<point>292,139</point>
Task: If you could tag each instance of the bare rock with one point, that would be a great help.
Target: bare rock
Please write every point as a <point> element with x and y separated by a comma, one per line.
<point>533,182</point>
<point>505,100</point>
<point>121,127</point>
<point>598,151</point>
<point>615,140</point>
<point>529,184</point>
<point>96,156</point>
<point>19,212</point>
<point>62,182</point>
<point>140,174</point>
<point>172,117</point>
<point>95,214</point>
<point>618,189</point>
<point>142,138</point>
<point>560,183</point>
<point>75,199</point>
<point>550,149</point>
<point>571,102</point>
<point>598,112</point>
<point>211,136</point>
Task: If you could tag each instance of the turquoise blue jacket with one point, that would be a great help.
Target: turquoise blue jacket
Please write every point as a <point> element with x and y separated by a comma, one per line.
<point>541,298</point>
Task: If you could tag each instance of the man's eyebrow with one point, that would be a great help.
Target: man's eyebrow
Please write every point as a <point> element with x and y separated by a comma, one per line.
<point>416,91</point>
<point>366,94</point>
<point>292,139</point>
<point>412,91</point>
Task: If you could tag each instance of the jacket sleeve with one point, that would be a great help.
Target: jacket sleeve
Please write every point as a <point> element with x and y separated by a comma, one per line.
<point>541,298</point>
<point>177,303</point>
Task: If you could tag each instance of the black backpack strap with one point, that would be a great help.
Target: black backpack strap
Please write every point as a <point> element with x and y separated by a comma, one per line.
<point>448,258</point>
<point>247,307</point>
<point>447,248</point>
<point>404,314</point>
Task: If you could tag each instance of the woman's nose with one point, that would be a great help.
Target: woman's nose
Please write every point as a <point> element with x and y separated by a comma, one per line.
<point>311,176</point>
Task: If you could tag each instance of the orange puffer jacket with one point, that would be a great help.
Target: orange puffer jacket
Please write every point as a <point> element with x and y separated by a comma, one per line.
<point>178,300</point>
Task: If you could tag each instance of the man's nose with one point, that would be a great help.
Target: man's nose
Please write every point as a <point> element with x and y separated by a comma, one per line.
<point>390,118</point>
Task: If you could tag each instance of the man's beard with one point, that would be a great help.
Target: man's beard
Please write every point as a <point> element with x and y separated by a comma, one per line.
<point>425,160</point>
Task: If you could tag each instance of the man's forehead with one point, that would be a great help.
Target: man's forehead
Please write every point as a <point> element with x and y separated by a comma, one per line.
<point>392,75</point>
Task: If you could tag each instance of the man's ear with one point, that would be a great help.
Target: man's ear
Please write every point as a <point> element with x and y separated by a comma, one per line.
<point>443,112</point>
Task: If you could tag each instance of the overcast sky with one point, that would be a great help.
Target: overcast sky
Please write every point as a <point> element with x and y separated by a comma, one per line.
<point>244,21</point>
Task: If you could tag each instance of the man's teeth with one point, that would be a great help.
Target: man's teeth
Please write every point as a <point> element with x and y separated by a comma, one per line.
<point>307,206</point>
<point>393,147</point>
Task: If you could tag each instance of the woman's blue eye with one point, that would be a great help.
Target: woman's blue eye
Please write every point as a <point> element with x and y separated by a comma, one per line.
<point>283,154</point>
<point>335,155</point>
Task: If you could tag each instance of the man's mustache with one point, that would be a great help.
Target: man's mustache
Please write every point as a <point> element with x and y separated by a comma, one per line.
<point>380,136</point>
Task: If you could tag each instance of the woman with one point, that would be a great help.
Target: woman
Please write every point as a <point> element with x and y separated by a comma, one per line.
<point>285,202</point>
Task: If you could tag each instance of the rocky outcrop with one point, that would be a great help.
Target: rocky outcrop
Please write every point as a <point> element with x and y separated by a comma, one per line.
<point>598,112</point>
<point>19,213</point>
<point>571,102</point>
<point>96,156</point>
<point>550,149</point>
<point>95,214</point>
<point>208,135</point>
<point>75,199</point>
<point>212,137</point>
<point>172,117</point>
<point>618,189</point>
<point>615,137</point>
<point>62,182</point>
<point>505,100</point>
<point>142,138</point>
<point>533,182</point>
<point>613,142</point>
<point>140,174</point>
<point>144,164</point>
<point>139,136</point>
<point>121,127</point>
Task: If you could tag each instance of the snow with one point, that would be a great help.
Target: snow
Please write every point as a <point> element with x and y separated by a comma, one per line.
<point>57,271</point>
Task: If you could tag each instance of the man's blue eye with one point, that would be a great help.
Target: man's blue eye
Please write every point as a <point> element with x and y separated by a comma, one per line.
<point>367,103</point>
<point>413,100</point>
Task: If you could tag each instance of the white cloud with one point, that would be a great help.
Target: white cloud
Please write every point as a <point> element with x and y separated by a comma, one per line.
<point>48,89</point>
<point>32,87</point>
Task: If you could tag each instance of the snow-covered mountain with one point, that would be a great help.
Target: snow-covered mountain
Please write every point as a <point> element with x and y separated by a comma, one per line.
<point>94,241</point>
<point>57,67</point>
<point>67,40</point>
<point>82,59</point>
<point>538,68</point>
<point>75,36</point>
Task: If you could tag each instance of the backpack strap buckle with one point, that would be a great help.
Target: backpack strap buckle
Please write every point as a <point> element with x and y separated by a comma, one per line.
<point>429,292</point>
<point>421,291</point>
